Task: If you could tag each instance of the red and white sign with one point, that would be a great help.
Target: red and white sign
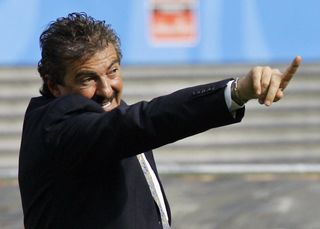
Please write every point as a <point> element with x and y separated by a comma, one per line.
<point>173,22</point>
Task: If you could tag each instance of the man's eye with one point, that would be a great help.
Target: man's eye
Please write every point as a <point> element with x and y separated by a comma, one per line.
<point>86,81</point>
<point>113,72</point>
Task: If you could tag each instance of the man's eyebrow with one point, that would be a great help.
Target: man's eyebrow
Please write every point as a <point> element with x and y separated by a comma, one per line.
<point>115,61</point>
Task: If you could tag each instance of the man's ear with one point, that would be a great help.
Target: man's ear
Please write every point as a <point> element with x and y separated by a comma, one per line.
<point>54,88</point>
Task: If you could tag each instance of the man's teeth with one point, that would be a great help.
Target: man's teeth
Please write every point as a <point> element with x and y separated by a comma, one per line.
<point>106,104</point>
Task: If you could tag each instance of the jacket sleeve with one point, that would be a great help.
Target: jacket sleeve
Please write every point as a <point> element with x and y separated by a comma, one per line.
<point>78,129</point>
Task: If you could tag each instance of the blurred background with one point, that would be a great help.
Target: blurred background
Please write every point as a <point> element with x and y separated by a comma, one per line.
<point>261,173</point>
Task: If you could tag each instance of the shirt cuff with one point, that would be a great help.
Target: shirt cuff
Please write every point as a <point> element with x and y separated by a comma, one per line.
<point>232,105</point>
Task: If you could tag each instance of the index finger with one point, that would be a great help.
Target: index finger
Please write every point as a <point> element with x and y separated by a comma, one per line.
<point>290,71</point>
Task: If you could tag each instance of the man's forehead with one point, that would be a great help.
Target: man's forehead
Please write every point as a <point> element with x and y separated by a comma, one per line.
<point>101,58</point>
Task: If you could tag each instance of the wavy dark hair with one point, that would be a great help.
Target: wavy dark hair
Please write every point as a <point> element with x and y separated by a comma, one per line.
<point>76,37</point>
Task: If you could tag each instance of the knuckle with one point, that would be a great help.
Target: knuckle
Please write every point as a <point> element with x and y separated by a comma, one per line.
<point>267,68</point>
<point>276,78</point>
<point>256,69</point>
<point>264,84</point>
<point>277,71</point>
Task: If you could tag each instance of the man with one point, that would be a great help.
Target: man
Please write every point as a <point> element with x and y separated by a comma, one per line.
<point>85,157</point>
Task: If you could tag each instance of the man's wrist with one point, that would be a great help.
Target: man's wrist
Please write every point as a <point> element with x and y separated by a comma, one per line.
<point>235,95</point>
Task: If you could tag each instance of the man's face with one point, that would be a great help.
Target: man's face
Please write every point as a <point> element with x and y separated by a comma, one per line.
<point>98,78</point>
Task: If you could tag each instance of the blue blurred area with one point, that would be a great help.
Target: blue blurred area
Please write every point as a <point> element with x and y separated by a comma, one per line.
<point>227,31</point>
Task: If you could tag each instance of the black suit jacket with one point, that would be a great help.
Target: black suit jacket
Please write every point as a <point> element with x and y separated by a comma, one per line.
<point>77,165</point>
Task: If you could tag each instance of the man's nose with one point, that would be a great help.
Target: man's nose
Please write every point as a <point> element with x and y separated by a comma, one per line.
<point>104,88</point>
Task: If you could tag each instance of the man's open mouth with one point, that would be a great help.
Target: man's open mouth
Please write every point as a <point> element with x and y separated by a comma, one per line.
<point>103,101</point>
<point>106,104</point>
